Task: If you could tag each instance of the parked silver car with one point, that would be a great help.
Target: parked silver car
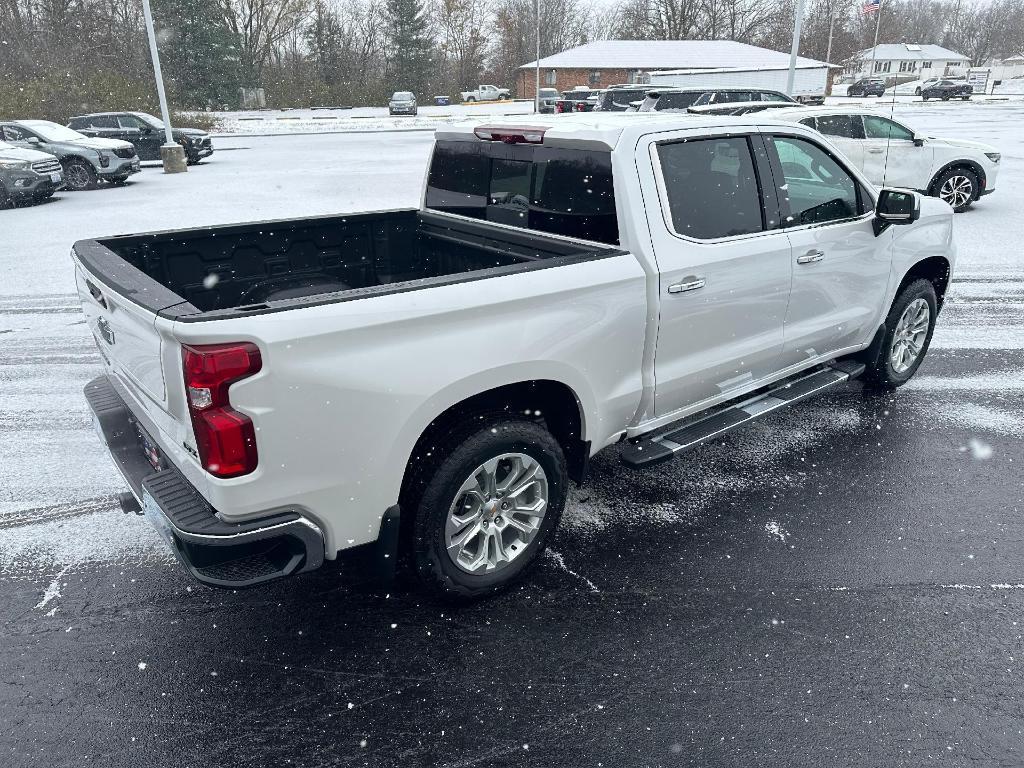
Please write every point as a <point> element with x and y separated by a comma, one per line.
<point>26,174</point>
<point>403,103</point>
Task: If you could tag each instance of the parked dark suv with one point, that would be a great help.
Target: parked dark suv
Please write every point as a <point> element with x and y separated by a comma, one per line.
<point>618,97</point>
<point>145,132</point>
<point>681,99</point>
<point>946,90</point>
<point>869,86</point>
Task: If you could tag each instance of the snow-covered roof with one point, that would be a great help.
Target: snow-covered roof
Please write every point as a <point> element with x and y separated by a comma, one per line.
<point>596,130</point>
<point>911,52</point>
<point>668,54</point>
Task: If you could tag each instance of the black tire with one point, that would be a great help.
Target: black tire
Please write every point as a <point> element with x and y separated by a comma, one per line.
<point>880,374</point>
<point>924,98</point>
<point>434,568</point>
<point>6,201</point>
<point>79,175</point>
<point>945,98</point>
<point>966,98</point>
<point>471,98</point>
<point>972,178</point>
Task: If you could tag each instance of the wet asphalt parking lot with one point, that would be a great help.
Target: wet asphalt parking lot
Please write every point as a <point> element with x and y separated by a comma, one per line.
<point>842,584</point>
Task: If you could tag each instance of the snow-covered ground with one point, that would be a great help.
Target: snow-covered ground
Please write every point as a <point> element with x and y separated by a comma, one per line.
<point>57,484</point>
<point>357,119</point>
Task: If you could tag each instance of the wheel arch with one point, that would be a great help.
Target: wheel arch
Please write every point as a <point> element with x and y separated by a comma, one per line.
<point>547,401</point>
<point>935,269</point>
<point>971,165</point>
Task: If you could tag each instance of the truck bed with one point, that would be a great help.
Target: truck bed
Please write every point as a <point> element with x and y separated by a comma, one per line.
<point>269,266</point>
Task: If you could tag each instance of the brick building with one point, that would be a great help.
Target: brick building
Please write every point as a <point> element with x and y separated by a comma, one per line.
<point>610,62</point>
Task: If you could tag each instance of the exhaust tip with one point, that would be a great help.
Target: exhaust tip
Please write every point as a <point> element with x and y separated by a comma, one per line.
<point>129,504</point>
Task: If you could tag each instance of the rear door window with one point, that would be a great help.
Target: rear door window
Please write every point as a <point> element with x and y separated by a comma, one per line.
<point>712,187</point>
<point>677,100</point>
<point>102,121</point>
<point>732,97</point>
<point>562,191</point>
<point>842,126</point>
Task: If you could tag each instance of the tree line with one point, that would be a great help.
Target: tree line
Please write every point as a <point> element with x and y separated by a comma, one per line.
<point>59,57</point>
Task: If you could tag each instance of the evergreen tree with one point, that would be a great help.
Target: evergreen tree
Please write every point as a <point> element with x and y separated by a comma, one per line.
<point>198,53</point>
<point>410,47</point>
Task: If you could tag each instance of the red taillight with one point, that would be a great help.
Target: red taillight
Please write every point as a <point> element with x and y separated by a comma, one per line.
<point>580,106</point>
<point>225,438</point>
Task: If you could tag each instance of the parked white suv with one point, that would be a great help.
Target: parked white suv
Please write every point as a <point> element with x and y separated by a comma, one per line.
<point>427,382</point>
<point>892,154</point>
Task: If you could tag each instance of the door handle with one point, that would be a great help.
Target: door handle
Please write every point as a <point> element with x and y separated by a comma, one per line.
<point>876,151</point>
<point>687,284</point>
<point>810,257</point>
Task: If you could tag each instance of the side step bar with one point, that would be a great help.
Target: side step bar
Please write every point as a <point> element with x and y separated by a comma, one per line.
<point>650,451</point>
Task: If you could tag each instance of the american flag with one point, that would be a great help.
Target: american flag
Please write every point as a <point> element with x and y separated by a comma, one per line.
<point>870,6</point>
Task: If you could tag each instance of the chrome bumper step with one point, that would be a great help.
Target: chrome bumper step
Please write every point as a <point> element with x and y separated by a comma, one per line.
<point>647,452</point>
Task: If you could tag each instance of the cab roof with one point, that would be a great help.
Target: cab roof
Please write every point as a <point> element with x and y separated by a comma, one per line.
<point>599,130</point>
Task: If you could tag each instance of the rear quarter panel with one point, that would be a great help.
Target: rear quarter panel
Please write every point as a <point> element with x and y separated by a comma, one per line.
<point>347,388</point>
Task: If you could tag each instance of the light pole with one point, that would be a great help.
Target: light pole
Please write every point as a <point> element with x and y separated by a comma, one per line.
<point>172,154</point>
<point>797,23</point>
<point>536,73</point>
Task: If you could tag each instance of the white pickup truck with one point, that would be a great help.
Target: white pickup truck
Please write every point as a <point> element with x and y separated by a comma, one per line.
<point>486,93</point>
<point>427,382</point>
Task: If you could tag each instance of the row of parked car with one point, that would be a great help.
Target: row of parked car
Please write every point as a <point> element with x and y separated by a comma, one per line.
<point>933,88</point>
<point>888,152</point>
<point>40,157</point>
<point>647,98</point>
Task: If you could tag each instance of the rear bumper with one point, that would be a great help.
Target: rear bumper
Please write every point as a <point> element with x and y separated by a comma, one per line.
<point>217,553</point>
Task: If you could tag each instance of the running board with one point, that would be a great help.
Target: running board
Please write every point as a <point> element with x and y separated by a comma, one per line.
<point>655,450</point>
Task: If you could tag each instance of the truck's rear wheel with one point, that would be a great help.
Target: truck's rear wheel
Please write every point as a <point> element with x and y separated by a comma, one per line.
<point>908,333</point>
<point>487,511</point>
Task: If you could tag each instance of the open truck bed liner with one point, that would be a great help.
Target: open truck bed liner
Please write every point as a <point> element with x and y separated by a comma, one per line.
<point>228,271</point>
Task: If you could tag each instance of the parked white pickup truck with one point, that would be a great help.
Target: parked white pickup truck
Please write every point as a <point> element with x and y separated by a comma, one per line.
<point>427,382</point>
<point>486,93</point>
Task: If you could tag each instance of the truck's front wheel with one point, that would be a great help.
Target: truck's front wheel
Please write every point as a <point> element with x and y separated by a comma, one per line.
<point>487,511</point>
<point>908,332</point>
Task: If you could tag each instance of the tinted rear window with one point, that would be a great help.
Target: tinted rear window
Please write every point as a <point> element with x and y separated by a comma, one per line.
<point>843,126</point>
<point>618,100</point>
<point>563,191</point>
<point>677,100</point>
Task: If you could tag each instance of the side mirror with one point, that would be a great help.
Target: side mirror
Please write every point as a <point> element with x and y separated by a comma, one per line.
<point>33,140</point>
<point>896,206</point>
<point>918,140</point>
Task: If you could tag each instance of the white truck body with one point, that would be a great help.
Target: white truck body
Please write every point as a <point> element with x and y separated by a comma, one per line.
<point>352,380</point>
<point>808,81</point>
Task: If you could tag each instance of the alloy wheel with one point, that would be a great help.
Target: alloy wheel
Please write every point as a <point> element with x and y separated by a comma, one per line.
<point>908,340</point>
<point>497,513</point>
<point>77,176</point>
<point>957,191</point>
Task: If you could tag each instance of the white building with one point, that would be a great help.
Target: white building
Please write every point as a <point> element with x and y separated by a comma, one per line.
<point>900,62</point>
<point>1007,69</point>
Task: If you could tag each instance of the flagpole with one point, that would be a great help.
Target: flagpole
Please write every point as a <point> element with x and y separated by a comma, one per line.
<point>874,48</point>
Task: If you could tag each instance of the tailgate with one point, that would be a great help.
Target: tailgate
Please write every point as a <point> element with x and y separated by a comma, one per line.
<point>126,337</point>
<point>142,359</point>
